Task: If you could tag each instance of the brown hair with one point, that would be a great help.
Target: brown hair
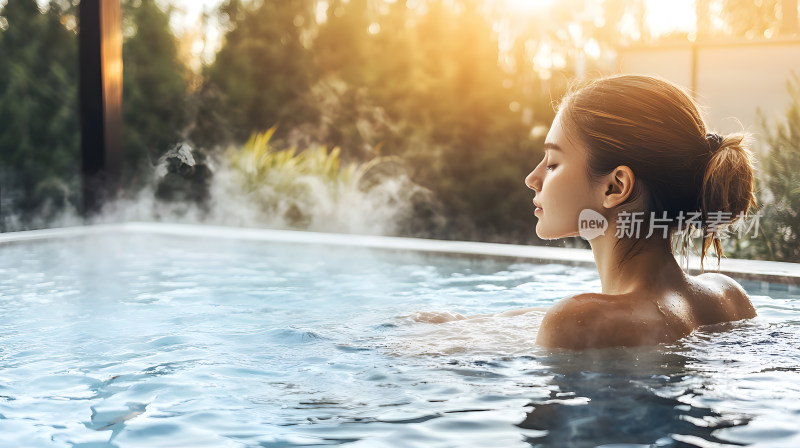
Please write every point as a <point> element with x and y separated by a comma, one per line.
<point>655,128</point>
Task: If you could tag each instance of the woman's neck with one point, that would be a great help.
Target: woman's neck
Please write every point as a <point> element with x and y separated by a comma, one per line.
<point>649,267</point>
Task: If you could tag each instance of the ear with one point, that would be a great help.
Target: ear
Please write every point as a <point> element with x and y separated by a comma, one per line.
<point>618,186</point>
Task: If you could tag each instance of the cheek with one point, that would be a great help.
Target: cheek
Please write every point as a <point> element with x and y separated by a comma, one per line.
<point>563,187</point>
<point>568,194</point>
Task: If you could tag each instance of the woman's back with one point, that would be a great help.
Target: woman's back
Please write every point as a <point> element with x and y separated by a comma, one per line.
<point>630,165</point>
<point>644,317</point>
<point>718,298</point>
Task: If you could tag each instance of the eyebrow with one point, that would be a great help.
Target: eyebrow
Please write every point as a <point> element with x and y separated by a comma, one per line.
<point>553,146</point>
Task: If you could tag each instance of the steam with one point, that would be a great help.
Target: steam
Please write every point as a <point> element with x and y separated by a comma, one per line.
<point>383,207</point>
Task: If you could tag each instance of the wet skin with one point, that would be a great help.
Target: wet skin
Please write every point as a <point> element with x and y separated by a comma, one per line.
<point>595,320</point>
<point>647,299</point>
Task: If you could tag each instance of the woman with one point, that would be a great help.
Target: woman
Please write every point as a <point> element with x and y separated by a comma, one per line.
<point>634,148</point>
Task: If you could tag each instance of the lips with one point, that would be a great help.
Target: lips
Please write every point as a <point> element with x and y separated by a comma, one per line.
<point>539,206</point>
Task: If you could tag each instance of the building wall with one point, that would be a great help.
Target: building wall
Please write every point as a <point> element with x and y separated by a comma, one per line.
<point>733,80</point>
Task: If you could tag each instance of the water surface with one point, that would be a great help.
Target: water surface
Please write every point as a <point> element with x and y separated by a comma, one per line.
<point>146,341</point>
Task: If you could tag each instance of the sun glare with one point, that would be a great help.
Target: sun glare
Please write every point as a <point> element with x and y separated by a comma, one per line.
<point>528,5</point>
<point>675,15</point>
<point>661,17</point>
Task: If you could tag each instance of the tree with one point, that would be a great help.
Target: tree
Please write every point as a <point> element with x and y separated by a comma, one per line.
<point>485,149</point>
<point>39,131</point>
<point>779,221</point>
<point>259,73</point>
<point>154,87</point>
<point>342,46</point>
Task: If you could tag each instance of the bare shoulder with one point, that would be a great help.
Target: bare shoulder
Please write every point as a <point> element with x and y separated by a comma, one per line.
<point>593,320</point>
<point>720,280</point>
<point>734,300</point>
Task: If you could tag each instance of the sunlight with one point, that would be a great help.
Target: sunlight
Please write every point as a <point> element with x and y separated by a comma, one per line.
<point>661,17</point>
<point>666,17</point>
<point>529,5</point>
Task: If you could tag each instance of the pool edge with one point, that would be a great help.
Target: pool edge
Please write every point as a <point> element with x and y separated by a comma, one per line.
<point>751,270</point>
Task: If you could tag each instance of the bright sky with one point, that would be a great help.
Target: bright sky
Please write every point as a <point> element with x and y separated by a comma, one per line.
<point>662,17</point>
<point>187,18</point>
<point>189,11</point>
<point>665,16</point>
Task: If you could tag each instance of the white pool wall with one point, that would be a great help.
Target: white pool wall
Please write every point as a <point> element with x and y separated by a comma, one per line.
<point>757,270</point>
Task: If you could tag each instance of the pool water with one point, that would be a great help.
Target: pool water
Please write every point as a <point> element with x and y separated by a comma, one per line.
<point>137,340</point>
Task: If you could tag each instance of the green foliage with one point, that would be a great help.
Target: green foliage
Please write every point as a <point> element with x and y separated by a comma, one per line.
<point>486,147</point>
<point>154,88</point>
<point>425,87</point>
<point>444,108</point>
<point>39,129</point>
<point>779,223</point>
<point>286,183</point>
<point>431,86</point>
<point>259,73</point>
<point>343,46</point>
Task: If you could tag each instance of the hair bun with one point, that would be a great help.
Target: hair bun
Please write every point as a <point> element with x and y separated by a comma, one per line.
<point>727,189</point>
<point>714,141</point>
<point>728,178</point>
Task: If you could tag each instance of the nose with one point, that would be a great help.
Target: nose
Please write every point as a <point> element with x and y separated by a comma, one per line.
<point>534,179</point>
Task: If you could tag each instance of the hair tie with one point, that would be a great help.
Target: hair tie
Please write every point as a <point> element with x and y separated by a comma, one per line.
<point>714,141</point>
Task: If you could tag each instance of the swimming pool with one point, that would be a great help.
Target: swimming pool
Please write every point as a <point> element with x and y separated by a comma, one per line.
<point>147,339</point>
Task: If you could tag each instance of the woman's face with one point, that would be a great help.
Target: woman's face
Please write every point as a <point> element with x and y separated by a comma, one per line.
<point>561,184</point>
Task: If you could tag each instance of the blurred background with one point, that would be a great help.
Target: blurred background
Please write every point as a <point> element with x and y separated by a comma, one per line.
<point>394,117</point>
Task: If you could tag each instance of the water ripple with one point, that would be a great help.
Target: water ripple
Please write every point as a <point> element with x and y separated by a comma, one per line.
<point>259,344</point>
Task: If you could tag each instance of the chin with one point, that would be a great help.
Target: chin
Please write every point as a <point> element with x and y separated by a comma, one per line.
<point>548,234</point>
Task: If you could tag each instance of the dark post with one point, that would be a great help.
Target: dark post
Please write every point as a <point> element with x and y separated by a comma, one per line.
<point>100,100</point>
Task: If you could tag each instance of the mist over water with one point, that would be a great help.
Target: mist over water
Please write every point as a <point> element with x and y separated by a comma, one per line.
<point>385,206</point>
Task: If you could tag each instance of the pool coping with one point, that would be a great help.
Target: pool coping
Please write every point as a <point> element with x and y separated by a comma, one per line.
<point>753,270</point>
